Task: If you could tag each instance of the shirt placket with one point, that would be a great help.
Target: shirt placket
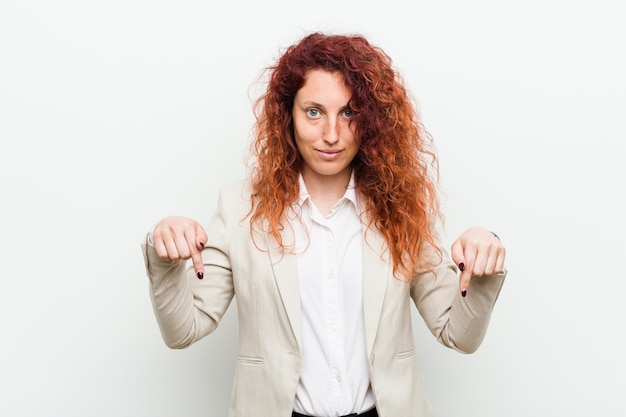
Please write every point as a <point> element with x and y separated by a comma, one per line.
<point>332,312</point>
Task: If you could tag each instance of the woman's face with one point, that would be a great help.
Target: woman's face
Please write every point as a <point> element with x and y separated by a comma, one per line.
<point>323,132</point>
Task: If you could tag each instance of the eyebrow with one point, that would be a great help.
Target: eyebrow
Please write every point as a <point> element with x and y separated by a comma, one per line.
<point>316,104</point>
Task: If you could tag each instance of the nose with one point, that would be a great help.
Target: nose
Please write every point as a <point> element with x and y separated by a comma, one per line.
<point>331,131</point>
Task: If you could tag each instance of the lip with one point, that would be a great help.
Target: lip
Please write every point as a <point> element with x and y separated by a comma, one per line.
<point>329,154</point>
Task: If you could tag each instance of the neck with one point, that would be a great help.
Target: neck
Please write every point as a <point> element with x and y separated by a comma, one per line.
<point>326,190</point>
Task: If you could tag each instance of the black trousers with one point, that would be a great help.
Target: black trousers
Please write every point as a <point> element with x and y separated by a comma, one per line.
<point>370,413</point>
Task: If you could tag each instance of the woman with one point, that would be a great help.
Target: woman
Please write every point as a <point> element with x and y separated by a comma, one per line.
<point>325,245</point>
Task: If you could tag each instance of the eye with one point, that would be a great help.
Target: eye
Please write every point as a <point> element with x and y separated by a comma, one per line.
<point>313,112</point>
<point>348,113</point>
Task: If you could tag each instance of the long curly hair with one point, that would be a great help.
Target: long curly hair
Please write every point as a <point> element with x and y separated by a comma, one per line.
<point>396,168</point>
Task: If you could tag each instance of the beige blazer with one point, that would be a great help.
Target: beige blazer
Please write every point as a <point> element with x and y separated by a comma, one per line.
<point>265,283</point>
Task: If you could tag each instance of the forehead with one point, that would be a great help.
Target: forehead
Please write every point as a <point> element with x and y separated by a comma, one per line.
<point>324,86</point>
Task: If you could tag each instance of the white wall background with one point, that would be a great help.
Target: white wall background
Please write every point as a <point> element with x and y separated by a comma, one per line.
<point>114,114</point>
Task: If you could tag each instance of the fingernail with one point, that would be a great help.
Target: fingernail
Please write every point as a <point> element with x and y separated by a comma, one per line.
<point>464,292</point>
<point>462,266</point>
<point>200,275</point>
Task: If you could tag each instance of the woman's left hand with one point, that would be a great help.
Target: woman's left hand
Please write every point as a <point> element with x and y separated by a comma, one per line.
<point>477,252</point>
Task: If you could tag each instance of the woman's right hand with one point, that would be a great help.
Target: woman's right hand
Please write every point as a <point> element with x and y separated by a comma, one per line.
<point>177,237</point>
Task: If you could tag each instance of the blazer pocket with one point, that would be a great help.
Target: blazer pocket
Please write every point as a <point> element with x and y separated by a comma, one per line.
<point>249,360</point>
<point>405,354</point>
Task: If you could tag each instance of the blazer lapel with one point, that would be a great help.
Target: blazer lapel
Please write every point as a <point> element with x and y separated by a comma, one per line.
<point>285,266</point>
<point>376,272</point>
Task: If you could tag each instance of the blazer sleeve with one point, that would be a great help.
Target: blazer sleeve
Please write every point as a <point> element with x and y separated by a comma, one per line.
<point>187,308</point>
<point>456,321</point>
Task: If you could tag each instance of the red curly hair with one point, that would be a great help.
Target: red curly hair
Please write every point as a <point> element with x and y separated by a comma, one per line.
<point>396,170</point>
